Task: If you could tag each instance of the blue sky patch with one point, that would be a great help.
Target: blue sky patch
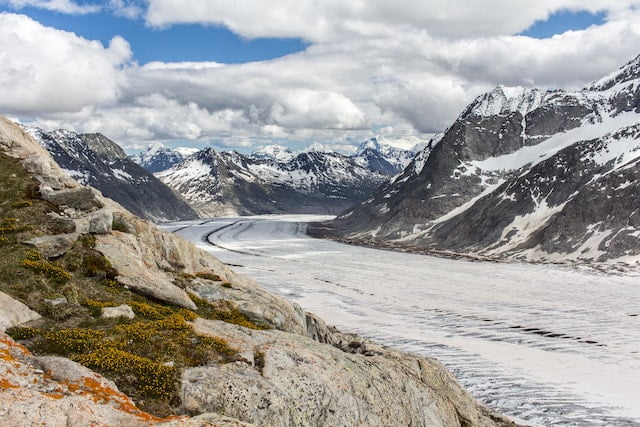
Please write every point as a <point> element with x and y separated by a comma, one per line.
<point>564,21</point>
<point>185,42</point>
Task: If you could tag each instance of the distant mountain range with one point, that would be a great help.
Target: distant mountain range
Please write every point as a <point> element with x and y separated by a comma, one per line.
<point>522,174</point>
<point>276,180</point>
<point>95,160</point>
<point>158,157</point>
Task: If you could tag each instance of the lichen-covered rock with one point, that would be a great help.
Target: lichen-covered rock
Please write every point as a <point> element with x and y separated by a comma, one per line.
<point>53,391</point>
<point>53,246</point>
<point>13,312</point>
<point>292,380</point>
<point>119,311</point>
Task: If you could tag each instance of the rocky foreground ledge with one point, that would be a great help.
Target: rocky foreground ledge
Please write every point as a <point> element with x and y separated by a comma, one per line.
<point>267,362</point>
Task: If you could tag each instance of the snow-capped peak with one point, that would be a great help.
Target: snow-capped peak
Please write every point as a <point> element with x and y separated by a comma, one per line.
<point>630,71</point>
<point>505,100</point>
<point>157,157</point>
<point>276,152</point>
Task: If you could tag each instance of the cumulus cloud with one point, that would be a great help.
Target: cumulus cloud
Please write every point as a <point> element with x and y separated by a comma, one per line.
<point>44,70</point>
<point>334,19</point>
<point>403,74</point>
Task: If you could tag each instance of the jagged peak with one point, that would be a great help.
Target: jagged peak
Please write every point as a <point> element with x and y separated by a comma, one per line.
<point>629,71</point>
<point>505,100</point>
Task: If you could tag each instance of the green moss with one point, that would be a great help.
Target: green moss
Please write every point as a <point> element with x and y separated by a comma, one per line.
<point>225,285</point>
<point>208,276</point>
<point>119,225</point>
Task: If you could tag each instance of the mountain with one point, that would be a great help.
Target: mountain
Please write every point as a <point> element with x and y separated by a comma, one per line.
<point>157,157</point>
<point>94,160</point>
<point>229,183</point>
<point>382,158</point>
<point>522,174</point>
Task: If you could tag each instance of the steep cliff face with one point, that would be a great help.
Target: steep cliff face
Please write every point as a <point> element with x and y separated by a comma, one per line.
<point>97,161</point>
<point>226,349</point>
<point>522,173</point>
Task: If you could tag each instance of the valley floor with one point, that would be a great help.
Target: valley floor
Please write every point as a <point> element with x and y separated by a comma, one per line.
<point>545,344</point>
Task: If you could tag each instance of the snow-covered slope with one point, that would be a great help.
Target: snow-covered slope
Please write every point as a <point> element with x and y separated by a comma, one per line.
<point>94,160</point>
<point>158,157</point>
<point>224,183</point>
<point>273,152</point>
<point>522,173</point>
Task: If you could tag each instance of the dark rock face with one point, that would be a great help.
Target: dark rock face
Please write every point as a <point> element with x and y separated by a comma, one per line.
<point>228,183</point>
<point>543,176</point>
<point>94,160</point>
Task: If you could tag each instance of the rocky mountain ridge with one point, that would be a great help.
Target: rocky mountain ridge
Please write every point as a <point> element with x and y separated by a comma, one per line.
<point>229,183</point>
<point>549,176</point>
<point>94,160</point>
<point>266,361</point>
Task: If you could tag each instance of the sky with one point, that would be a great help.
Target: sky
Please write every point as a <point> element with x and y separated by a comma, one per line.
<point>241,74</point>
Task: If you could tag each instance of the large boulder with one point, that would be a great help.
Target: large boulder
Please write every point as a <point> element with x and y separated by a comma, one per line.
<point>135,271</point>
<point>14,313</point>
<point>329,386</point>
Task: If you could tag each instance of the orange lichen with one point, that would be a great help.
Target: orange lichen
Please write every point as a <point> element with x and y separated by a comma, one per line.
<point>56,396</point>
<point>5,384</point>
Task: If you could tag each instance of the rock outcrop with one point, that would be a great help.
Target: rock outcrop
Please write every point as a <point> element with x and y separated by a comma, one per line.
<point>328,385</point>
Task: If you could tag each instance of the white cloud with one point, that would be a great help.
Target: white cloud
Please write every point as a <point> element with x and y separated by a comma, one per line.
<point>334,19</point>
<point>126,8</point>
<point>62,6</point>
<point>43,70</point>
<point>375,71</point>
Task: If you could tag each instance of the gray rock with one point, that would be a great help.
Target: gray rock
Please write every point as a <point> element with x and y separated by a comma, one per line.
<point>119,311</point>
<point>14,313</point>
<point>82,198</point>
<point>53,246</point>
<point>101,221</point>
<point>126,256</point>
